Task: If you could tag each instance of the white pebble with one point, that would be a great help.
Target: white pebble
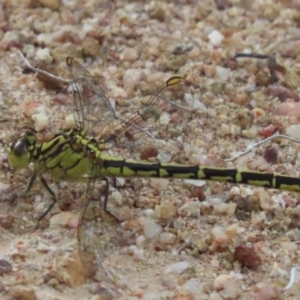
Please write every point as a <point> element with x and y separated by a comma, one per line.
<point>218,232</point>
<point>177,268</point>
<point>221,281</point>
<point>222,73</point>
<point>267,203</point>
<point>43,248</point>
<point>167,238</point>
<point>10,36</point>
<point>140,241</point>
<point>70,121</point>
<point>138,254</point>
<point>293,131</point>
<point>195,182</point>
<point>149,212</point>
<point>159,183</point>
<point>190,209</point>
<point>118,92</point>
<point>44,55</point>
<point>235,191</point>
<point>151,229</point>
<point>194,286</point>
<point>132,77</point>
<point>40,121</point>
<point>225,208</point>
<point>216,37</point>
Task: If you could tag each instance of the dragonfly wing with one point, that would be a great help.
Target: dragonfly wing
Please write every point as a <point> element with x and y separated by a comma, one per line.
<point>91,109</point>
<point>153,131</point>
<point>96,236</point>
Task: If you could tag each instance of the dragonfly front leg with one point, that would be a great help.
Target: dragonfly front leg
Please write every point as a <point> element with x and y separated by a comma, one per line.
<point>29,186</point>
<point>42,216</point>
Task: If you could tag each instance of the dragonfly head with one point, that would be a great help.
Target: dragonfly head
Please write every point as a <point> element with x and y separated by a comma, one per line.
<point>19,151</point>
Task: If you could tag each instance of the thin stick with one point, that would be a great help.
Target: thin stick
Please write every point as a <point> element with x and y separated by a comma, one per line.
<point>32,68</point>
<point>271,62</point>
<point>293,278</point>
<point>275,136</point>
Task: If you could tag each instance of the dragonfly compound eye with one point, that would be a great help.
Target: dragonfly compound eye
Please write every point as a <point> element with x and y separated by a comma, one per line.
<point>18,153</point>
<point>19,147</point>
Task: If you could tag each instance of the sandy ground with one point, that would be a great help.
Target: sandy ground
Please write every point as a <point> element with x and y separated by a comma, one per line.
<point>185,240</point>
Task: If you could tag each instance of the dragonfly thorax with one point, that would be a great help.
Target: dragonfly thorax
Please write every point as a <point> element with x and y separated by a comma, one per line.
<point>19,150</point>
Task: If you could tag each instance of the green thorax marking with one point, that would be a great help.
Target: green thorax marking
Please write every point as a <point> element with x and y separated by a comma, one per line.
<point>67,155</point>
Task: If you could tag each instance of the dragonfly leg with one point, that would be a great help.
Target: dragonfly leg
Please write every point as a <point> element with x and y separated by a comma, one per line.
<point>106,200</point>
<point>29,186</point>
<point>43,181</point>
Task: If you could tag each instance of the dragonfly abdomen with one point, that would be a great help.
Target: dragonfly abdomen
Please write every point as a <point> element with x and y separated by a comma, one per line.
<point>125,168</point>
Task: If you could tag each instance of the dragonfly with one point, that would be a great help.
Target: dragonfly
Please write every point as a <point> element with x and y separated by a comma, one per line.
<point>104,145</point>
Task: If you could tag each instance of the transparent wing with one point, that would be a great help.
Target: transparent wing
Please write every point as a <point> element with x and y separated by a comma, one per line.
<point>97,235</point>
<point>91,109</point>
<point>150,133</point>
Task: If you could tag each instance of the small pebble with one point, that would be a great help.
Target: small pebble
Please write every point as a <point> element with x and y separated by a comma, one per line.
<point>132,77</point>
<point>52,4</point>
<point>69,269</point>
<point>90,46</point>
<point>140,241</point>
<point>44,55</point>
<point>31,108</point>
<point>2,287</point>
<point>293,131</point>
<point>167,238</point>
<point>129,54</point>
<point>165,210</point>
<point>22,293</point>
<point>227,287</point>
<point>215,296</point>
<point>118,92</point>
<point>282,93</point>
<point>7,221</point>
<point>183,295</point>
<point>222,73</point>
<point>209,71</point>
<point>287,109</point>
<point>64,219</point>
<point>265,291</point>
<point>216,37</point>
<point>40,120</point>
<point>190,209</point>
<point>225,208</point>
<point>70,121</point>
<point>61,99</point>
<point>151,229</point>
<point>177,268</point>
<point>11,36</point>
<point>247,256</point>
<point>5,267</point>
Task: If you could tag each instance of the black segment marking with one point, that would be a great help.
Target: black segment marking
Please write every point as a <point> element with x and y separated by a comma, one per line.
<point>173,170</point>
<point>136,167</point>
<point>286,180</point>
<point>209,173</point>
<point>252,176</point>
